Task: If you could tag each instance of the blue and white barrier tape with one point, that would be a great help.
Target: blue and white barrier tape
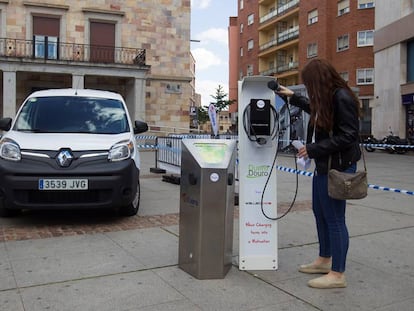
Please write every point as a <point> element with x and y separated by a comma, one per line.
<point>146,146</point>
<point>142,137</point>
<point>294,171</point>
<point>364,145</point>
<point>287,169</point>
<point>391,189</point>
<point>376,187</point>
<point>388,146</point>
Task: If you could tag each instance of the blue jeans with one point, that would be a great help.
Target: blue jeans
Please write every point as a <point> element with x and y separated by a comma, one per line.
<point>330,222</point>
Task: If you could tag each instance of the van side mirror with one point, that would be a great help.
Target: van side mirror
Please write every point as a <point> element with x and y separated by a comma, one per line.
<point>5,124</point>
<point>140,127</point>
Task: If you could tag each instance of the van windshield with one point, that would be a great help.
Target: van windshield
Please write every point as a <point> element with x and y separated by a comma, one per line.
<point>72,114</point>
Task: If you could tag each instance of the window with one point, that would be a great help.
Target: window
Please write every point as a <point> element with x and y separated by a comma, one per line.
<point>365,76</point>
<point>366,116</point>
<point>250,19</point>
<point>410,61</point>
<point>45,37</point>
<point>45,47</point>
<point>312,50</point>
<point>72,114</point>
<point>343,7</point>
<point>249,70</point>
<point>344,75</point>
<point>241,51</point>
<point>250,45</point>
<point>343,43</point>
<point>365,38</point>
<point>312,17</point>
<point>366,4</point>
<point>241,28</point>
<point>241,4</point>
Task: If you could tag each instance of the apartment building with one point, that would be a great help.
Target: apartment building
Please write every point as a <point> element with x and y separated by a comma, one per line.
<point>291,32</point>
<point>393,107</point>
<point>140,49</point>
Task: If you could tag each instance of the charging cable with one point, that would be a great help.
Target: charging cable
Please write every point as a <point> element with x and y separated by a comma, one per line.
<point>270,174</point>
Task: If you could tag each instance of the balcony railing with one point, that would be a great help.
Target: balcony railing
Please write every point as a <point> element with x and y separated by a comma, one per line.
<point>62,51</point>
<point>269,72</point>
<point>282,37</point>
<point>287,67</point>
<point>268,44</point>
<point>287,35</point>
<point>280,10</point>
<point>280,69</point>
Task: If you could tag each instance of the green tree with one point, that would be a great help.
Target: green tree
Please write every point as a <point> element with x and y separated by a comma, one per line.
<point>220,102</point>
<point>220,99</point>
<point>202,114</point>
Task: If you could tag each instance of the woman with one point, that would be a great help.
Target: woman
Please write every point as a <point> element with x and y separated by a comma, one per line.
<point>333,131</point>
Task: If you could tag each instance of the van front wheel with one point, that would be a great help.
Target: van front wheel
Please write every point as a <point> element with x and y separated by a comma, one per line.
<point>132,208</point>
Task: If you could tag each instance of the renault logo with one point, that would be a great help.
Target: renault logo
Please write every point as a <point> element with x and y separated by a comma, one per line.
<point>65,158</point>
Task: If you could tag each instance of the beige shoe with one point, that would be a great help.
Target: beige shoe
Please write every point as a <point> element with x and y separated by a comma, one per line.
<point>328,281</point>
<point>312,268</point>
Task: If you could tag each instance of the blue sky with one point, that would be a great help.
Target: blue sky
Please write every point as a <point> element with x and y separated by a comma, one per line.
<point>209,24</point>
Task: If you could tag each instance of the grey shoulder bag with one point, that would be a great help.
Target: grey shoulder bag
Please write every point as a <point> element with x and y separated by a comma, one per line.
<point>347,186</point>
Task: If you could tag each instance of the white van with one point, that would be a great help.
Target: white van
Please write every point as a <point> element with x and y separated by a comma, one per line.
<point>70,148</point>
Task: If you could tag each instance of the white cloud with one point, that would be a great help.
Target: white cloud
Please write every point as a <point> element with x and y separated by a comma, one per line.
<point>205,59</point>
<point>200,4</point>
<point>213,34</point>
<point>207,88</point>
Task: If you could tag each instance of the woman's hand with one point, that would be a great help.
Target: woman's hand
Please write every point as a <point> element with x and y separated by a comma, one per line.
<point>284,91</point>
<point>302,153</point>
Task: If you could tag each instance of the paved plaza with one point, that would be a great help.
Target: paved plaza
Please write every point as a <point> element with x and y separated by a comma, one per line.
<point>89,260</point>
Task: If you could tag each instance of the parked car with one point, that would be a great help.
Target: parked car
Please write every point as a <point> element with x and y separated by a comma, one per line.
<point>67,149</point>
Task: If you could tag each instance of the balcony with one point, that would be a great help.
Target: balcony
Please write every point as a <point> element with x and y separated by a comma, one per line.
<point>287,67</point>
<point>280,69</point>
<point>269,72</point>
<point>73,52</point>
<point>280,11</point>
<point>284,36</point>
<point>288,35</point>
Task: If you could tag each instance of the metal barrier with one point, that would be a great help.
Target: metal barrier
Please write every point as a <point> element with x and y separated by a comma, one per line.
<point>168,154</point>
<point>168,150</point>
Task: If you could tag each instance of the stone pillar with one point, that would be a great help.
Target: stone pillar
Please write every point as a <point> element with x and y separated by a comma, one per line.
<point>135,99</point>
<point>78,81</point>
<point>9,94</point>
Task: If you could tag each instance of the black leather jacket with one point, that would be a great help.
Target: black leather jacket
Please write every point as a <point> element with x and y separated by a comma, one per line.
<point>344,143</point>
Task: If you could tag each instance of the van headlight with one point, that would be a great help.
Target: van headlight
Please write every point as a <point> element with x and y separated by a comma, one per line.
<point>10,150</point>
<point>121,151</point>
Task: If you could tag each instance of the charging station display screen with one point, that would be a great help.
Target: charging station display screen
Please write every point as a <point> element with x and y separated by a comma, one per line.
<point>211,153</point>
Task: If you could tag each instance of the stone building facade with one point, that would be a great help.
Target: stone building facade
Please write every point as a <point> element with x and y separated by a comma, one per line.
<point>140,49</point>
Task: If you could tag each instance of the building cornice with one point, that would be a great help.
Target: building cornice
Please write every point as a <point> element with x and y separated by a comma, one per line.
<point>169,78</point>
<point>46,5</point>
<point>102,11</point>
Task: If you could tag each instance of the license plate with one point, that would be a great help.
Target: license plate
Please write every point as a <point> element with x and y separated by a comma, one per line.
<point>63,184</point>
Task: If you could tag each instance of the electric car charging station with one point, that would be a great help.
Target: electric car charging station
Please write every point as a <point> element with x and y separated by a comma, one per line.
<point>206,207</point>
<point>258,130</point>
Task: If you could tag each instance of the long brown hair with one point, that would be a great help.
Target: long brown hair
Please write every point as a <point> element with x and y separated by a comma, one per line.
<point>321,81</point>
